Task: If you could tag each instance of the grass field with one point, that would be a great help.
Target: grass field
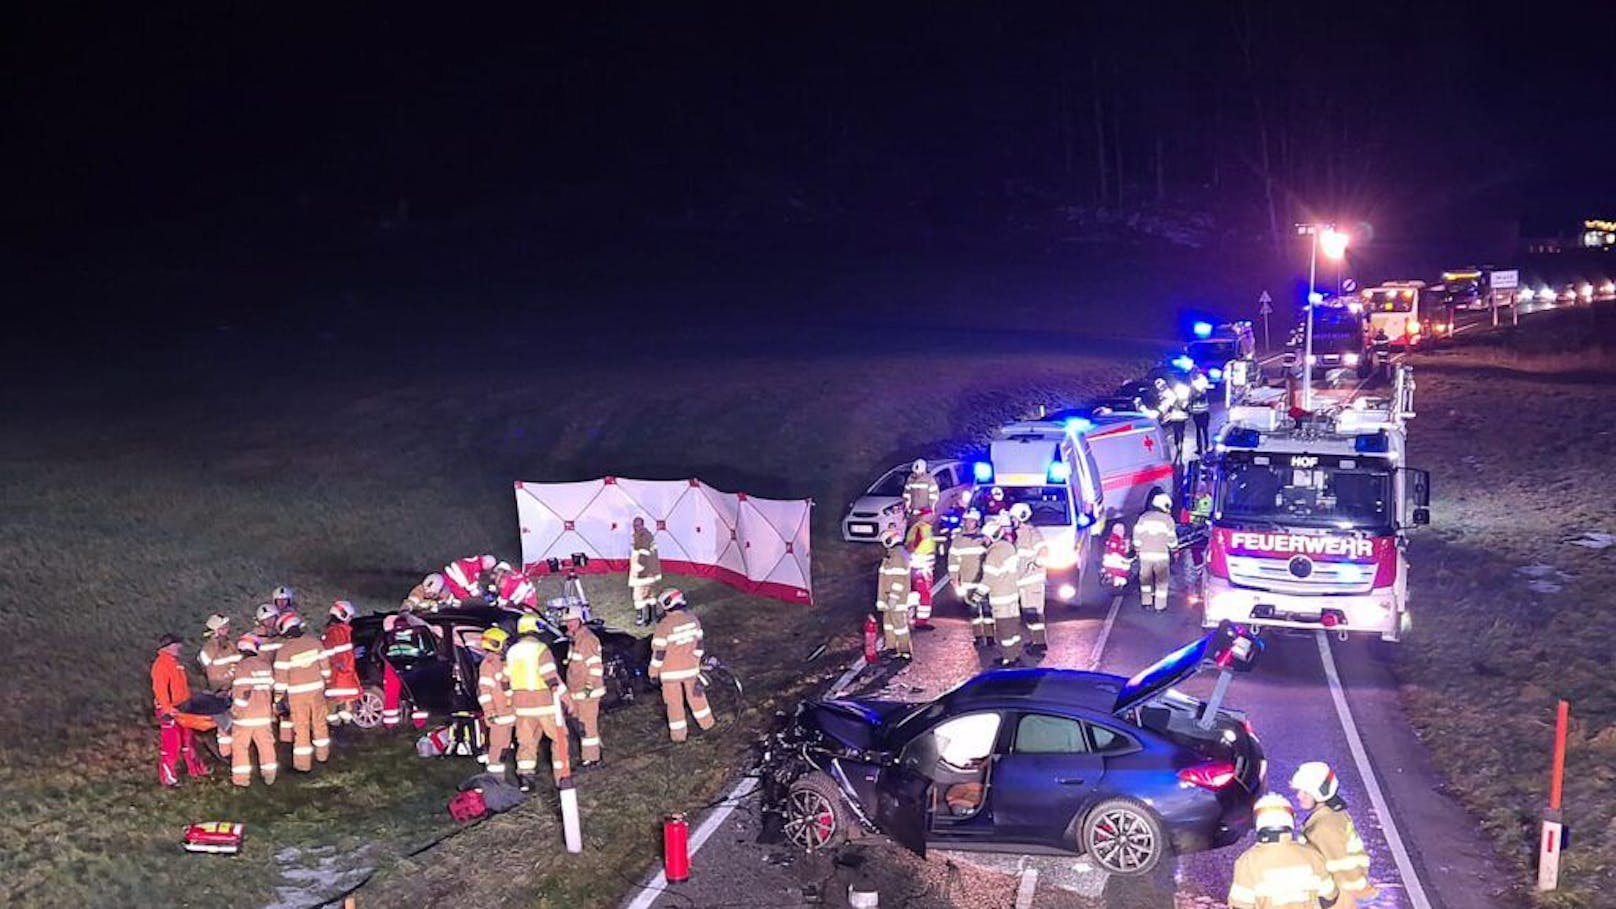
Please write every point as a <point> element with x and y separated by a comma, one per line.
<point>1518,436</point>
<point>141,507</point>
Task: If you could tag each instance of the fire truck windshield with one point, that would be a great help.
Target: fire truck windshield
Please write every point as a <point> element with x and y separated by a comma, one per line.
<point>1326,491</point>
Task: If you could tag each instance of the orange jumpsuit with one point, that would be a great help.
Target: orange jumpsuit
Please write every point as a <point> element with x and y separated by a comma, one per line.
<point>170,692</point>
<point>343,689</point>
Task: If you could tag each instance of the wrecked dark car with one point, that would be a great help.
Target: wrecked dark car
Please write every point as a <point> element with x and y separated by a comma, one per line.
<point>1126,771</point>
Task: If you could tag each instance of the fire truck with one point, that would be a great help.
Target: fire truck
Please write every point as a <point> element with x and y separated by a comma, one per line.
<point>1310,515</point>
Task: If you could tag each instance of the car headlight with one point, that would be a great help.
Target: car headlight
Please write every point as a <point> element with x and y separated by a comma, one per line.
<point>1061,560</point>
<point>1526,295</point>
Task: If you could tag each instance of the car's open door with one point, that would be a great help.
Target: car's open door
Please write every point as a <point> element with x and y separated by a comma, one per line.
<point>903,806</point>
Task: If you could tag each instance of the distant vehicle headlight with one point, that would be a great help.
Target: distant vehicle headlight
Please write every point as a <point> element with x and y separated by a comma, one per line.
<point>1526,295</point>
<point>1586,291</point>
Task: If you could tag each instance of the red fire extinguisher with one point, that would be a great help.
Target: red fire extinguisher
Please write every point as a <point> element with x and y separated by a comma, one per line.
<point>675,848</point>
<point>870,631</point>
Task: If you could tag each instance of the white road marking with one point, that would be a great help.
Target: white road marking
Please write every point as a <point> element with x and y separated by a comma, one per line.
<point>1405,865</point>
<point>654,888</point>
<point>1027,887</point>
<point>1105,632</point>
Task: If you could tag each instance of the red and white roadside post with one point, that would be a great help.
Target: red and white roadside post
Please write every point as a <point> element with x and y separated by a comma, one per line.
<point>1552,841</point>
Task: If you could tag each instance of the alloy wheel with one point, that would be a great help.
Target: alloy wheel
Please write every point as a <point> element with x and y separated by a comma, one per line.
<point>810,819</point>
<point>1123,841</point>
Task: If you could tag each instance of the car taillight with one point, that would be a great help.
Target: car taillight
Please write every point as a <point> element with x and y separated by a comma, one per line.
<point>1214,775</point>
<point>1217,560</point>
<point>1385,565</point>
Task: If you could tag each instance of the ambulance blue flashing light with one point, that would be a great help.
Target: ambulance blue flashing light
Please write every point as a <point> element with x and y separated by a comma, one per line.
<point>982,471</point>
<point>1059,472</point>
<point>1203,329</point>
<point>1078,425</point>
<point>1315,298</point>
<point>1183,363</point>
<point>1215,373</point>
<point>1083,520</point>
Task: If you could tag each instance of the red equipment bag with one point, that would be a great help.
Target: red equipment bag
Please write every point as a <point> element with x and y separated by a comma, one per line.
<point>467,806</point>
<point>218,837</point>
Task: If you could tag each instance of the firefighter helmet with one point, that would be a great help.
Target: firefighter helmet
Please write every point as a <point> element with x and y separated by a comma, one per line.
<point>574,613</point>
<point>1316,779</point>
<point>288,622</point>
<point>1021,512</point>
<point>494,639</point>
<point>432,584</point>
<point>671,599</point>
<point>283,596</point>
<point>890,537</point>
<point>996,493</point>
<point>1273,812</point>
<point>502,567</point>
<point>972,515</point>
<point>528,624</point>
<point>248,643</point>
<point>267,612</point>
<point>919,465</point>
<point>218,621</point>
<point>343,611</point>
<point>488,562</point>
<point>1161,501</point>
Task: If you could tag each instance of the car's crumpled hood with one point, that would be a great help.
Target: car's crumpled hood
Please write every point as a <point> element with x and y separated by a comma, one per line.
<point>857,724</point>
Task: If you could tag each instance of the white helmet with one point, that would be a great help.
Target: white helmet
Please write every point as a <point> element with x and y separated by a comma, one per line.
<point>267,612</point>
<point>920,465</point>
<point>972,515</point>
<point>890,537</point>
<point>433,583</point>
<point>343,611</point>
<point>1021,512</point>
<point>502,567</point>
<point>283,592</point>
<point>994,528</point>
<point>1273,812</point>
<point>488,562</point>
<point>218,621</point>
<point>671,599</point>
<point>1162,501</point>
<point>1315,778</point>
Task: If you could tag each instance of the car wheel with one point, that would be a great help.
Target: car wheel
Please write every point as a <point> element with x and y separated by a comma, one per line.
<point>816,818</point>
<point>367,709</point>
<point>1123,837</point>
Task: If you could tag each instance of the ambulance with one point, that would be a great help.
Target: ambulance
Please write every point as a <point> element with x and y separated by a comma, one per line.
<point>1309,520</point>
<point>1077,470</point>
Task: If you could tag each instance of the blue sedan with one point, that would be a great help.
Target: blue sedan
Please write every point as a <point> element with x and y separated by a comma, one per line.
<point>1126,771</point>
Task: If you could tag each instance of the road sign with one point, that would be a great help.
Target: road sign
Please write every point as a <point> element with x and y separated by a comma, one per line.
<point>1265,306</point>
<point>1348,286</point>
<point>1506,280</point>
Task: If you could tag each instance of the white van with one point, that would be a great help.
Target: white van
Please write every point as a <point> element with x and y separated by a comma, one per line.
<point>1076,472</point>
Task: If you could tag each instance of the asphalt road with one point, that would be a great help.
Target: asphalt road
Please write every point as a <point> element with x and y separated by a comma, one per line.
<point>1426,853</point>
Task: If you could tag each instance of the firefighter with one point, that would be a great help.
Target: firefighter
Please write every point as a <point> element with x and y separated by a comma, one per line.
<point>343,689</point>
<point>921,543</point>
<point>1330,830</point>
<point>1000,574</point>
<point>301,672</point>
<point>966,546</point>
<point>284,599</point>
<point>1117,563</point>
<point>892,596</point>
<point>463,578</point>
<point>430,595</point>
<point>513,589</point>
<point>920,491</point>
<point>644,573</point>
<point>538,697</point>
<point>252,711</point>
<point>218,655</point>
<point>171,702</point>
<point>586,676</point>
<point>1278,872</point>
<point>267,616</point>
<point>676,652</point>
<point>1173,416</point>
<point>494,695</point>
<point>1153,537</point>
<point>996,503</point>
<point>1200,410</point>
<point>1031,549</point>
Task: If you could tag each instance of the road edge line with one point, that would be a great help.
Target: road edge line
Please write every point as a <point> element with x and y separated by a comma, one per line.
<point>1098,652</point>
<point>1377,799</point>
<point>658,884</point>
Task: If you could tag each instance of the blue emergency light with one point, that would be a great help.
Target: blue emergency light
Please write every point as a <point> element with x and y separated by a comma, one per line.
<point>1059,472</point>
<point>982,471</point>
<point>1183,363</point>
<point>1215,373</point>
<point>1203,329</point>
<point>1372,443</point>
<point>1078,425</point>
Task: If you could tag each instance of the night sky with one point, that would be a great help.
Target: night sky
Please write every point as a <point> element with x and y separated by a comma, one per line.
<point>193,122</point>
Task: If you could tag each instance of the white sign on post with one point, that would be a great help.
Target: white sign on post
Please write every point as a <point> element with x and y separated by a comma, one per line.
<point>1548,856</point>
<point>1265,304</point>
<point>1506,280</point>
